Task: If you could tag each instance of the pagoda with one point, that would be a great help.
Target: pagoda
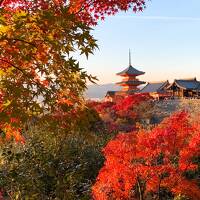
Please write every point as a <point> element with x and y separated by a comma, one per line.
<point>130,81</point>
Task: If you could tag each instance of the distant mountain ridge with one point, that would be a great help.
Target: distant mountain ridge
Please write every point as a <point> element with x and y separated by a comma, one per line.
<point>99,91</point>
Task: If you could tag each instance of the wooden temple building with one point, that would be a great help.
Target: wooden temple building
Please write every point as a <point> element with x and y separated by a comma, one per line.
<point>157,90</point>
<point>185,88</point>
<point>180,88</point>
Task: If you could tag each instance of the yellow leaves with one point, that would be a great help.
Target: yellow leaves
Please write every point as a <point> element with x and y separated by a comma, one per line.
<point>21,13</point>
<point>2,73</point>
<point>6,70</point>
<point>7,103</point>
<point>4,29</point>
<point>50,37</point>
<point>9,70</point>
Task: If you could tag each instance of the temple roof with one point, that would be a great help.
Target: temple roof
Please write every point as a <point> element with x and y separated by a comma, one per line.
<point>132,91</point>
<point>131,82</point>
<point>130,71</point>
<point>189,84</point>
<point>154,87</point>
<point>127,92</point>
<point>111,93</point>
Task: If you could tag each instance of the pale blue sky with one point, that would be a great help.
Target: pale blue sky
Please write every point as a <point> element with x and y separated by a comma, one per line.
<point>164,40</point>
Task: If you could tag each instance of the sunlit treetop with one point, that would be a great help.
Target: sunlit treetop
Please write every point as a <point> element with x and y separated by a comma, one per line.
<point>140,164</point>
<point>89,11</point>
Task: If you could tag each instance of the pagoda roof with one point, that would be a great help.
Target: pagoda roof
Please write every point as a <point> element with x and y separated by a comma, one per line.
<point>154,87</point>
<point>130,71</point>
<point>131,82</point>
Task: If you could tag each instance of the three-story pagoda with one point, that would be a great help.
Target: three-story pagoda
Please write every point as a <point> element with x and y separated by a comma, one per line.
<point>130,81</point>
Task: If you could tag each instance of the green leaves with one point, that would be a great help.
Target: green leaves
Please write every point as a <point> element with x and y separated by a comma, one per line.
<point>35,64</point>
<point>53,165</point>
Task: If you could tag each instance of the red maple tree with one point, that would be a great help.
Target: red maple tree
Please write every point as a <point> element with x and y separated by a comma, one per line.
<point>123,114</point>
<point>149,164</point>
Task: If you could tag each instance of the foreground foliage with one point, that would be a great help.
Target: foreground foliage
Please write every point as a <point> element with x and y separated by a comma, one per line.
<point>38,77</point>
<point>38,72</point>
<point>156,164</point>
<point>53,164</point>
<point>88,11</point>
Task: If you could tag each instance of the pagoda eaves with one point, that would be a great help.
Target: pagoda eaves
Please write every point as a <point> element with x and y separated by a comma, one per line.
<point>130,71</point>
<point>131,82</point>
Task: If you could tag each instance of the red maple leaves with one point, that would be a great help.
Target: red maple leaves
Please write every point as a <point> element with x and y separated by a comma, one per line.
<point>130,101</point>
<point>89,11</point>
<point>92,11</point>
<point>123,114</point>
<point>144,164</point>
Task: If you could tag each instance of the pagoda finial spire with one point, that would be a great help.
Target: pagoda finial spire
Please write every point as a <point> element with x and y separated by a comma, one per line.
<point>129,57</point>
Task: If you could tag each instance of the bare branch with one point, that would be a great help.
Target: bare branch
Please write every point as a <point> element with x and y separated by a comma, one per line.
<point>12,65</point>
<point>21,40</point>
<point>23,72</point>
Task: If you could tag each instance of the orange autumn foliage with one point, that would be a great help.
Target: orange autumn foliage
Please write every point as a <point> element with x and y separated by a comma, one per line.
<point>11,133</point>
<point>86,10</point>
<point>124,113</point>
<point>34,37</point>
<point>139,164</point>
